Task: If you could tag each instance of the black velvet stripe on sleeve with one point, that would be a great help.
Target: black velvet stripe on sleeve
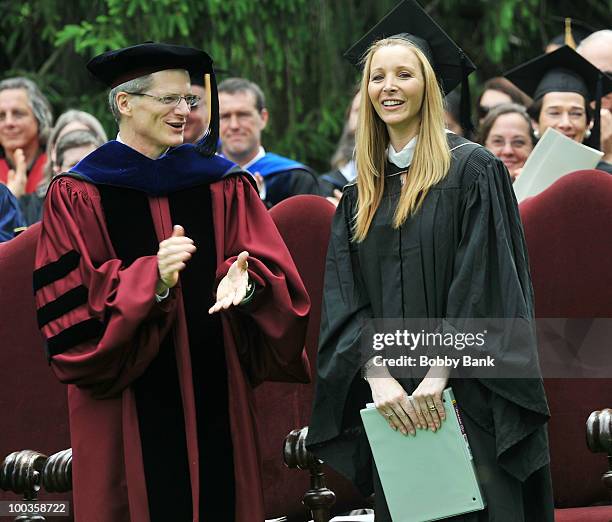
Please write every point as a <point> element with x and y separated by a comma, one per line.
<point>62,305</point>
<point>56,270</point>
<point>74,335</point>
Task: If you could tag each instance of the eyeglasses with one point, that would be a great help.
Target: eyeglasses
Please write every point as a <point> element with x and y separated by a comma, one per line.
<point>172,99</point>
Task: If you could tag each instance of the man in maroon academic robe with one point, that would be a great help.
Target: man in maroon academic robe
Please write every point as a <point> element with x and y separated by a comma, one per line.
<point>160,371</point>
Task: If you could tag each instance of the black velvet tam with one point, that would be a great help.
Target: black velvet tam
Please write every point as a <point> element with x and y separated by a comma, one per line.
<point>121,65</point>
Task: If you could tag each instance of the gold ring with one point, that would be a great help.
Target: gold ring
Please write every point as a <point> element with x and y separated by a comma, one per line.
<point>389,415</point>
<point>432,408</point>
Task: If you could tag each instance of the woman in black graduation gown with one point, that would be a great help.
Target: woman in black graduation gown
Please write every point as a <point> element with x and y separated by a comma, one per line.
<point>563,84</point>
<point>430,229</point>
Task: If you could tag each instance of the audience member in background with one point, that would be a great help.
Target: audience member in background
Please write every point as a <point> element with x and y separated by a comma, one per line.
<point>507,132</point>
<point>197,119</point>
<point>243,117</point>
<point>562,84</point>
<point>73,147</point>
<point>496,91</point>
<point>68,122</point>
<point>343,161</point>
<point>452,112</point>
<point>11,221</point>
<point>25,122</point>
<point>597,49</point>
<point>573,34</point>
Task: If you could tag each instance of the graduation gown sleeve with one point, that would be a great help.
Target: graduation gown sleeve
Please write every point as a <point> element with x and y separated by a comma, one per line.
<point>269,332</point>
<point>100,318</point>
<point>491,280</point>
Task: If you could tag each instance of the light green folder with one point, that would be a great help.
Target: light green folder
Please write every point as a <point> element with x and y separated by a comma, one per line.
<point>427,477</point>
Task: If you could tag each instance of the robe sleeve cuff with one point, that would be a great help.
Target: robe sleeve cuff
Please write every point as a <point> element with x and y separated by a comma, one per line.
<point>250,293</point>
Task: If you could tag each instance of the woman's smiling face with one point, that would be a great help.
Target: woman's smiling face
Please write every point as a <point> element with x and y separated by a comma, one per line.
<point>396,87</point>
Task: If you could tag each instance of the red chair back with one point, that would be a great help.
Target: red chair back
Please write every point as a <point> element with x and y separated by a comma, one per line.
<point>32,400</point>
<point>569,236</point>
<point>304,222</point>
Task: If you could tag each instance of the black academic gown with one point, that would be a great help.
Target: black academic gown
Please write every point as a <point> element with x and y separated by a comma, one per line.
<point>463,254</point>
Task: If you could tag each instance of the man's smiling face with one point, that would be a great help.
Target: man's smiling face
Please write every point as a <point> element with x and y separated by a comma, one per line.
<point>157,125</point>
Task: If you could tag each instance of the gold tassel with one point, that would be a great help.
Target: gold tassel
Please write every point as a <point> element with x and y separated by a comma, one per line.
<point>569,38</point>
<point>208,96</point>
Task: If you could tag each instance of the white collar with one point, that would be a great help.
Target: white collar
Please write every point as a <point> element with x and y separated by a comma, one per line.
<point>258,156</point>
<point>403,158</point>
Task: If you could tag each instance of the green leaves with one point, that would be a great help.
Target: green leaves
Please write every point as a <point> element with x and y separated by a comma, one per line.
<point>292,48</point>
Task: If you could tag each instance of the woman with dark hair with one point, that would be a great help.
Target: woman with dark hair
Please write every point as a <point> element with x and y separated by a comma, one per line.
<point>563,84</point>
<point>508,133</point>
<point>430,229</point>
<point>452,113</point>
<point>496,91</point>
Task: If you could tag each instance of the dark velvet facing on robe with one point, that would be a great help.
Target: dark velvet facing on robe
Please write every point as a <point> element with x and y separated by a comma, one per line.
<point>160,395</point>
<point>157,391</point>
<point>462,254</point>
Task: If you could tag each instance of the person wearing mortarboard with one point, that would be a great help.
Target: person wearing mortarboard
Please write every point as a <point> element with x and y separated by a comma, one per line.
<point>430,229</point>
<point>562,84</point>
<point>134,241</point>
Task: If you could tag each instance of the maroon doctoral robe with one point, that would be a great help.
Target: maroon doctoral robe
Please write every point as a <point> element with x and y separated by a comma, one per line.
<point>160,394</point>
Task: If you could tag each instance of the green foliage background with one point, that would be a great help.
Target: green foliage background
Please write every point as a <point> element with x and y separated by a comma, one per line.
<point>292,48</point>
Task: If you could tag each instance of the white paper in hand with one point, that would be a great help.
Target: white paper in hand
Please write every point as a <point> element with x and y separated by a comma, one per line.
<point>553,157</point>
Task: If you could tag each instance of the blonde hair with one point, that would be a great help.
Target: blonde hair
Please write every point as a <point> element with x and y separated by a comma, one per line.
<point>431,159</point>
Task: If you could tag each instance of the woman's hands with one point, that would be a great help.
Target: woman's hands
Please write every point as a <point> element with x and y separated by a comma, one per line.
<point>427,398</point>
<point>393,404</point>
<point>423,409</point>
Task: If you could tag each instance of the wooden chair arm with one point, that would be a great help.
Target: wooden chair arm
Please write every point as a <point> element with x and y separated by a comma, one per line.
<point>319,498</point>
<point>599,439</point>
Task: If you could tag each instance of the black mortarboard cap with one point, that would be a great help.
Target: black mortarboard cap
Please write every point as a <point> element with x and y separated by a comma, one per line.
<point>563,70</point>
<point>121,65</point>
<point>409,21</point>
